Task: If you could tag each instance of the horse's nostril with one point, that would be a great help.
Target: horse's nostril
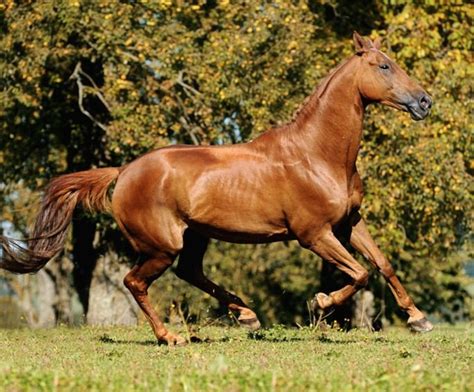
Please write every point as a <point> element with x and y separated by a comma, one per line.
<point>425,102</point>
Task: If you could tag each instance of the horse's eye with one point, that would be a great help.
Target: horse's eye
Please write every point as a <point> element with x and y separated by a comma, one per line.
<point>384,66</point>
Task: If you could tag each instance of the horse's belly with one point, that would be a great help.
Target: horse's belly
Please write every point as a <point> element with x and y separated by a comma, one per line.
<point>239,223</point>
<point>249,235</point>
<point>242,208</point>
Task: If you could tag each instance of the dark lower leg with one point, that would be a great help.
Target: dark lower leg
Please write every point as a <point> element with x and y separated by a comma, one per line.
<point>137,281</point>
<point>246,316</point>
<point>190,269</point>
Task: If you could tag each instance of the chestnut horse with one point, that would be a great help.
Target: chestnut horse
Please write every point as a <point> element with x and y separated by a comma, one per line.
<point>297,181</point>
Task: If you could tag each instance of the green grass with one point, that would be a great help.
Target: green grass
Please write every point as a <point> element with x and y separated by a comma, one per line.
<point>118,359</point>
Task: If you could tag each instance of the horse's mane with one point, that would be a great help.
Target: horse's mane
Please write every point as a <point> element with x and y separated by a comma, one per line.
<point>318,92</point>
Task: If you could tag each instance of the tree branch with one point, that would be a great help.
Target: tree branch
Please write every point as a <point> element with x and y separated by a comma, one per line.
<point>77,76</point>
<point>191,92</point>
<point>186,86</point>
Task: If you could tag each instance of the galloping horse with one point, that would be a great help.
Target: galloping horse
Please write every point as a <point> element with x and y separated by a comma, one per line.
<point>297,181</point>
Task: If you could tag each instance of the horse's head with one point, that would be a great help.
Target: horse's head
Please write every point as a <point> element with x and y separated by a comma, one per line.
<point>382,80</point>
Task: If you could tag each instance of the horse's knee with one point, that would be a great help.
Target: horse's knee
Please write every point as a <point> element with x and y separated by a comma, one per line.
<point>362,278</point>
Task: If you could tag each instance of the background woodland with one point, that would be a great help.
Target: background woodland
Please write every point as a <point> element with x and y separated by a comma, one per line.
<point>88,84</point>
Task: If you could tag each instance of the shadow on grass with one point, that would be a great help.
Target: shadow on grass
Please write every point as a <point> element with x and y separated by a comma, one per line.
<point>279,334</point>
<point>265,335</point>
<point>108,340</point>
<point>276,335</point>
<point>327,340</point>
<point>194,339</point>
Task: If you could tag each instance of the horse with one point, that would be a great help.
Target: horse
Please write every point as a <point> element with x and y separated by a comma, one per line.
<point>297,181</point>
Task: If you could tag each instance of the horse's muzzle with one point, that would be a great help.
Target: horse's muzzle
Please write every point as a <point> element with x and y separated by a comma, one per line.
<point>420,107</point>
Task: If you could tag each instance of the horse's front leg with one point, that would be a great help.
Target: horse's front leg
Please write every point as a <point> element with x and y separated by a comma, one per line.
<point>327,246</point>
<point>363,242</point>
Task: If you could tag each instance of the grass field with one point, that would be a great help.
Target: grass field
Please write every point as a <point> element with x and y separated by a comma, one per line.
<point>229,359</point>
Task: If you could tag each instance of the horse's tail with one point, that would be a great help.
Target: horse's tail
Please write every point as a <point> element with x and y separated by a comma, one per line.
<point>61,197</point>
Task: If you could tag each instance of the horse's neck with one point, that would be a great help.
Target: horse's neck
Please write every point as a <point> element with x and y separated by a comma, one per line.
<point>329,127</point>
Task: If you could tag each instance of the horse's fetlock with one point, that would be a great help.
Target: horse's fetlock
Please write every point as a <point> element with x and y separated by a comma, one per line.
<point>362,278</point>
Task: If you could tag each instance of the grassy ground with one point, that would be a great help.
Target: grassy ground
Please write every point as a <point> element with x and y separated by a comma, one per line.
<point>118,359</point>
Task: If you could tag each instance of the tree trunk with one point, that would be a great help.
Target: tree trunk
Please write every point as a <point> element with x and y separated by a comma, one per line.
<point>60,272</point>
<point>84,258</point>
<point>35,296</point>
<point>364,309</point>
<point>110,302</point>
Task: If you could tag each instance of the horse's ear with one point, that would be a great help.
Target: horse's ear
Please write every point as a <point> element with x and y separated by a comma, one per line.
<point>378,43</point>
<point>360,44</point>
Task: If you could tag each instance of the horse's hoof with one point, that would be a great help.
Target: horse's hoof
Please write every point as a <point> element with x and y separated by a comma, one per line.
<point>321,301</point>
<point>173,340</point>
<point>250,323</point>
<point>421,325</point>
<point>180,341</point>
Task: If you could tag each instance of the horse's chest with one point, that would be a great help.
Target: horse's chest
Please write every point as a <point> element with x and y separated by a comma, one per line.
<point>355,195</point>
<point>340,208</point>
<point>346,201</point>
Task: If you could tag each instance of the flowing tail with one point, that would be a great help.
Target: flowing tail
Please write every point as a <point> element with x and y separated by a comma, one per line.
<point>61,197</point>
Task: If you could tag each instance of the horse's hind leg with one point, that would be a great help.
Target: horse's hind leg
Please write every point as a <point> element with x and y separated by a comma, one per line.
<point>138,280</point>
<point>362,241</point>
<point>190,269</point>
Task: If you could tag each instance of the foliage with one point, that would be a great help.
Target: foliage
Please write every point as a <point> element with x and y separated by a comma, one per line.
<point>126,359</point>
<point>150,73</point>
